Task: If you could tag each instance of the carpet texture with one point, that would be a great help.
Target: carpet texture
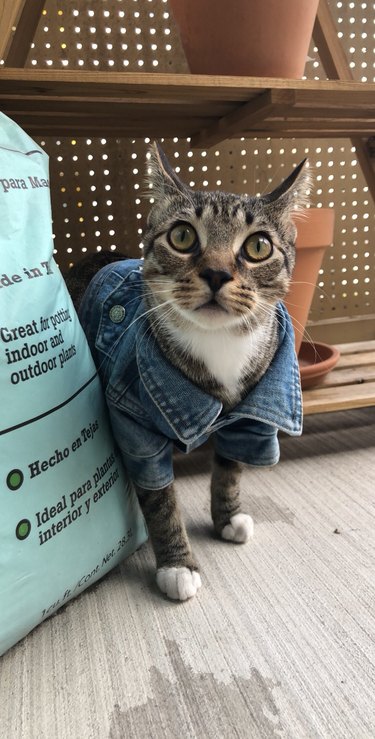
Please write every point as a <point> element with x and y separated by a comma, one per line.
<point>279,642</point>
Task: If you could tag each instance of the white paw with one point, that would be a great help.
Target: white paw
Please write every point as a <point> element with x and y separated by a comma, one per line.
<point>240,528</point>
<point>178,583</point>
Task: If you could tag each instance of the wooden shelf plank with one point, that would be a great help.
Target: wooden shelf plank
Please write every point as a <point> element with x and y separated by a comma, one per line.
<point>350,385</point>
<point>325,400</point>
<point>140,104</point>
<point>360,359</point>
<point>349,376</point>
<point>356,347</point>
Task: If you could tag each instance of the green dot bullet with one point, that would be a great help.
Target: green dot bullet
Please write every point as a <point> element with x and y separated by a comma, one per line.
<point>14,479</point>
<point>23,529</point>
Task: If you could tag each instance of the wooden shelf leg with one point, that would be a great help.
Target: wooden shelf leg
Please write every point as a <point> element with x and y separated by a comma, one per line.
<point>24,15</point>
<point>337,67</point>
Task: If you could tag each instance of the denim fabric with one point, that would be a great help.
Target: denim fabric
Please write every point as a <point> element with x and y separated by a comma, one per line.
<point>153,406</point>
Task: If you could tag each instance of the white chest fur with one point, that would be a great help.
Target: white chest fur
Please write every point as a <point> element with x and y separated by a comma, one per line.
<point>224,354</point>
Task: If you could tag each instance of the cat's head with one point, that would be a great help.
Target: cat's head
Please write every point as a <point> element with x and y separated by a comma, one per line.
<point>219,259</point>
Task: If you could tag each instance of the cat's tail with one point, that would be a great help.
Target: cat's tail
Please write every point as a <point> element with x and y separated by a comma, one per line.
<point>79,276</point>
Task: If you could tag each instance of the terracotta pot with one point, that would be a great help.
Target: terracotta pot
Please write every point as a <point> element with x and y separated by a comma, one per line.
<point>315,234</point>
<point>258,38</point>
<point>315,361</point>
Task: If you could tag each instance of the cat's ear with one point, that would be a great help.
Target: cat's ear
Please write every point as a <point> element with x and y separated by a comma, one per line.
<point>161,176</point>
<point>293,194</point>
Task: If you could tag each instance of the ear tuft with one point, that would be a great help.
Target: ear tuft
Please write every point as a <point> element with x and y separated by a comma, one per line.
<point>161,178</point>
<point>293,194</point>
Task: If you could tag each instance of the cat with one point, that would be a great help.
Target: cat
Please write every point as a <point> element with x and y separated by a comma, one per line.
<point>194,341</point>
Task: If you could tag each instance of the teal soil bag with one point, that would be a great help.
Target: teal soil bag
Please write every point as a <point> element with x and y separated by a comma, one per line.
<point>67,512</point>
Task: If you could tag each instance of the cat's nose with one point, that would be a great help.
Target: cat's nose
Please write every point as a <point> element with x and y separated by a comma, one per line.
<point>215,278</point>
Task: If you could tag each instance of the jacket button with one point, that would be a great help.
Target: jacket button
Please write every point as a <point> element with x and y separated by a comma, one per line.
<point>117,313</point>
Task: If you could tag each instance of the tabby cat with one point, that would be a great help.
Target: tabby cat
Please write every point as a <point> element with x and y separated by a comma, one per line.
<point>194,341</point>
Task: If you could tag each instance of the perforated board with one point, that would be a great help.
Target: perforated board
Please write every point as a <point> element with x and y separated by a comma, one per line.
<point>98,183</point>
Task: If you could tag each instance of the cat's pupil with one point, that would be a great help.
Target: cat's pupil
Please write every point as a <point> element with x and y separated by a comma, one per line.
<point>257,248</point>
<point>182,237</point>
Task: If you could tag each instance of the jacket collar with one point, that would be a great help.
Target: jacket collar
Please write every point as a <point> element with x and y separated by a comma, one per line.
<point>277,397</point>
<point>186,408</point>
<point>275,400</point>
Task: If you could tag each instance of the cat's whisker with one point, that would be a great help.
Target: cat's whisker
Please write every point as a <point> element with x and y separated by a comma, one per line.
<point>300,329</point>
<point>313,284</point>
<point>147,324</point>
<point>149,294</point>
<point>120,338</point>
<point>148,312</point>
<point>267,310</point>
<point>159,322</point>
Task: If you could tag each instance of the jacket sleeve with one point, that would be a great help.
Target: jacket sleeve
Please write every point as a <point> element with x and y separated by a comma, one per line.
<point>249,441</point>
<point>147,454</point>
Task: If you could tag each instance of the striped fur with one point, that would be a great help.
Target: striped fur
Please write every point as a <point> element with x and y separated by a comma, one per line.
<point>225,491</point>
<point>188,313</point>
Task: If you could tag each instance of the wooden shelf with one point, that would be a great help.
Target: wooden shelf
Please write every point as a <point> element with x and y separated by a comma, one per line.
<point>209,109</point>
<point>351,384</point>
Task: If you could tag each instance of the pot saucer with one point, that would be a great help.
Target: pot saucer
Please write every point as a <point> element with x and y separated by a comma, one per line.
<point>315,361</point>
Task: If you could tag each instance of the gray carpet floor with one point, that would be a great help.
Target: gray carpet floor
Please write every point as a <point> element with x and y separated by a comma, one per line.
<point>279,642</point>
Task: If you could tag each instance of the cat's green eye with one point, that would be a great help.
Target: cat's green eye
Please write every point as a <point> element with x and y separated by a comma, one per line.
<point>183,237</point>
<point>257,248</point>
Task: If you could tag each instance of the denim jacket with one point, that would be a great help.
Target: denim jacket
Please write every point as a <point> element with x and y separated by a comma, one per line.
<point>153,406</point>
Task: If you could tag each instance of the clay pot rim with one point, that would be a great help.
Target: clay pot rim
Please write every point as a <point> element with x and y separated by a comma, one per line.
<point>320,367</point>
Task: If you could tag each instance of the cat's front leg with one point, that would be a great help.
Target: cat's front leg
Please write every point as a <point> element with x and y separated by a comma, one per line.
<point>177,573</point>
<point>229,522</point>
